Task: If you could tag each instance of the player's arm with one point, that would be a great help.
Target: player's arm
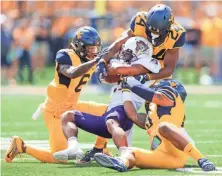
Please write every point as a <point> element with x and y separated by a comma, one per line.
<point>129,70</point>
<point>142,66</point>
<point>74,72</point>
<point>138,118</point>
<point>65,67</point>
<point>170,61</point>
<point>161,97</point>
<point>116,46</point>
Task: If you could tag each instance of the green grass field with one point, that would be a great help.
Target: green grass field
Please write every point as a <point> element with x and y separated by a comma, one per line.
<point>204,124</point>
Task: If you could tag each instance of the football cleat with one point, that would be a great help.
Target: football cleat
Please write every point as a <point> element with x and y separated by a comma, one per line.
<point>89,156</point>
<point>206,165</point>
<point>110,162</point>
<point>14,149</point>
<point>69,154</point>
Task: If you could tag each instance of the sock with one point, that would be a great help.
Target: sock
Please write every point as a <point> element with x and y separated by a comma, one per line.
<point>193,152</point>
<point>40,154</point>
<point>100,142</point>
<point>123,151</point>
<point>72,142</point>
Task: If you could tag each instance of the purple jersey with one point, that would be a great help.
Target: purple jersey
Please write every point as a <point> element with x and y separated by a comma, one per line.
<point>97,124</point>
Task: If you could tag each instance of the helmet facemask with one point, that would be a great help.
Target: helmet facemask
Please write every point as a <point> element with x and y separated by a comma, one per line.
<point>86,52</point>
<point>127,55</point>
<point>91,52</point>
<point>157,37</point>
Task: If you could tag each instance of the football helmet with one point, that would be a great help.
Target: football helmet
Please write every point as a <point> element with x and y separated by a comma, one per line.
<point>133,48</point>
<point>158,23</point>
<point>86,43</point>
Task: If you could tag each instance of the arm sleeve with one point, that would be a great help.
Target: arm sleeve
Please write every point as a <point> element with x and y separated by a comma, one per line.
<point>63,58</point>
<point>149,63</point>
<point>181,41</point>
<point>168,92</point>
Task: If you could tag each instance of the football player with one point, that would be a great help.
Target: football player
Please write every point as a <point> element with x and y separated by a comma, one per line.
<point>74,67</point>
<point>171,146</point>
<point>167,36</point>
<point>114,122</point>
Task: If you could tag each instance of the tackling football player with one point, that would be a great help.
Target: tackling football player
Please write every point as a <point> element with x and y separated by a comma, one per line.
<point>114,122</point>
<point>74,67</point>
<point>167,36</point>
<point>170,144</point>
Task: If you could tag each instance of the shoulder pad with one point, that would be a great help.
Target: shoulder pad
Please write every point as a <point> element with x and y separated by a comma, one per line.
<point>137,24</point>
<point>62,57</point>
<point>176,37</point>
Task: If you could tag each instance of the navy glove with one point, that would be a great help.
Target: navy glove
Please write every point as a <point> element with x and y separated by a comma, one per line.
<point>141,78</point>
<point>101,71</point>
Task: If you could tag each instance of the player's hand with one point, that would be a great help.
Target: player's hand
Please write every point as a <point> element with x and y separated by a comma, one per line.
<point>124,85</point>
<point>101,54</point>
<point>141,78</point>
<point>101,70</point>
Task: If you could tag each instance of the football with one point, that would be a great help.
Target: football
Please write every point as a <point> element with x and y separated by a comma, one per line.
<point>112,78</point>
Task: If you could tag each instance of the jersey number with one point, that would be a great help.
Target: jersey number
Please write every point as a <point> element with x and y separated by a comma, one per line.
<point>82,82</point>
<point>141,22</point>
<point>174,37</point>
<point>160,54</point>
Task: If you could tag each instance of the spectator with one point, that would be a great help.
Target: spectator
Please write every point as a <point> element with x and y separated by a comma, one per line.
<point>5,47</point>
<point>40,52</point>
<point>211,39</point>
<point>24,37</point>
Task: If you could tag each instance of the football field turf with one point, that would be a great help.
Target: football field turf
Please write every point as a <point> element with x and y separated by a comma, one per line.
<point>203,123</point>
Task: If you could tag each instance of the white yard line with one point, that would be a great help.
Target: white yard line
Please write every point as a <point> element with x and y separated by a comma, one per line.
<point>197,142</point>
<point>44,144</point>
<point>97,89</point>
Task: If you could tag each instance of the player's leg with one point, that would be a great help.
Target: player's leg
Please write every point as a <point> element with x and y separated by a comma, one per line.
<point>18,146</point>
<point>182,142</point>
<point>87,122</point>
<point>129,135</point>
<point>117,123</point>
<point>100,142</point>
<point>118,134</point>
<point>140,158</point>
<point>97,109</point>
<point>56,139</point>
<point>70,131</point>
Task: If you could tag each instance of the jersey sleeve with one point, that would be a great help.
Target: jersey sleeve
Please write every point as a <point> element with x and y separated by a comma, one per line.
<point>180,41</point>
<point>62,57</point>
<point>168,92</point>
<point>149,63</point>
<point>137,24</point>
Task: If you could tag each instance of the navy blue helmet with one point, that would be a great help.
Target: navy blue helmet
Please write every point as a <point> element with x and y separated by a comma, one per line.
<point>159,20</point>
<point>86,43</point>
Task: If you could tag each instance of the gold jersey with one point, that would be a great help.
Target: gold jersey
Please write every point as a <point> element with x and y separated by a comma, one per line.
<point>175,38</point>
<point>63,92</point>
<point>174,115</point>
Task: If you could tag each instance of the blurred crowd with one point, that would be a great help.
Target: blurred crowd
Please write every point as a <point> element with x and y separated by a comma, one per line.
<point>32,32</point>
